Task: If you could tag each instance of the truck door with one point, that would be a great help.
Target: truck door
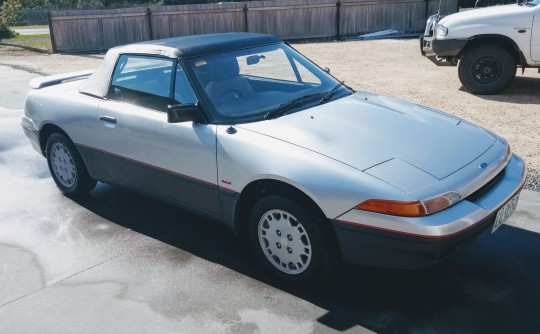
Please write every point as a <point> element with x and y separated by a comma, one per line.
<point>535,38</point>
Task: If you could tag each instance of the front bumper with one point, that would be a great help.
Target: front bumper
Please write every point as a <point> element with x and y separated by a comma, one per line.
<point>442,52</point>
<point>437,236</point>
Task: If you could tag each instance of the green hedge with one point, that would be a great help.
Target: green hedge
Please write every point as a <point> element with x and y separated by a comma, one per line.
<point>5,32</point>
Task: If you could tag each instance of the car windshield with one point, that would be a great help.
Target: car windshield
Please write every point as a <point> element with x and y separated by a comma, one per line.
<point>535,2</point>
<point>260,83</point>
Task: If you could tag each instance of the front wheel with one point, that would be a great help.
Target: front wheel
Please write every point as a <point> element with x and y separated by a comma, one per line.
<point>486,70</point>
<point>67,168</point>
<point>290,239</point>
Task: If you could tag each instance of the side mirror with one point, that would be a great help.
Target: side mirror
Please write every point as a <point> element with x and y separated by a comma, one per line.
<point>178,113</point>
<point>327,70</point>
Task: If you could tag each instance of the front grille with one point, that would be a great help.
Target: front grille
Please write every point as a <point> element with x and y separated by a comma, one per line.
<point>478,193</point>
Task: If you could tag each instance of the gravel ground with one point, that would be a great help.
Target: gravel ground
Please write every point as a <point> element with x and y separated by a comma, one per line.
<point>389,67</point>
<point>533,180</point>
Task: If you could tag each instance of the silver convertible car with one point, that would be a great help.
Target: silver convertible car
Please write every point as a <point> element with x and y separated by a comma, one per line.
<point>242,128</point>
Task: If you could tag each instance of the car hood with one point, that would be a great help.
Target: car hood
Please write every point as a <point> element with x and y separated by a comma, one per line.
<point>493,15</point>
<point>365,130</point>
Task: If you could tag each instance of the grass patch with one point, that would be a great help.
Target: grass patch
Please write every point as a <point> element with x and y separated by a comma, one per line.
<point>28,37</point>
<point>45,46</point>
<point>38,43</point>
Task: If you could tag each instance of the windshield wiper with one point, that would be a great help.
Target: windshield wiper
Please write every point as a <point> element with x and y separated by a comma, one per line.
<point>331,93</point>
<point>287,106</point>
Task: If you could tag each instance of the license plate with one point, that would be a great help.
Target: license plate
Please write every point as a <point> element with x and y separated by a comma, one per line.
<point>505,212</point>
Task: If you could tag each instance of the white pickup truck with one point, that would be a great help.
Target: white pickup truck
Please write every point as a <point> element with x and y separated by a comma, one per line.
<point>488,44</point>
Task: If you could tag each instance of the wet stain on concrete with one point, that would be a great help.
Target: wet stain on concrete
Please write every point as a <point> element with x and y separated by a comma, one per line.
<point>20,273</point>
<point>267,321</point>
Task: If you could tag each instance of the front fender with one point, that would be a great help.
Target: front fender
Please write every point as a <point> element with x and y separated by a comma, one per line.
<point>246,156</point>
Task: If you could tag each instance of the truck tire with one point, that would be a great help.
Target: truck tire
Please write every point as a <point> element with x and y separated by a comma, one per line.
<point>486,70</point>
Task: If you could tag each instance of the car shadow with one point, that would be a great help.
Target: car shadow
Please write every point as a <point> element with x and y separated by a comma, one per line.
<point>522,90</point>
<point>492,286</point>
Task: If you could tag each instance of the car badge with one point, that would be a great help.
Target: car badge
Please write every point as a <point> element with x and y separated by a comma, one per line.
<point>483,165</point>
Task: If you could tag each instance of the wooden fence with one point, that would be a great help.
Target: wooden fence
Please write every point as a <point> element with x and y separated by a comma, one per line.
<point>93,30</point>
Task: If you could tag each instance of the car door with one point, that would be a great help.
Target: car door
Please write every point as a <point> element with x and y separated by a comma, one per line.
<point>141,150</point>
<point>535,38</point>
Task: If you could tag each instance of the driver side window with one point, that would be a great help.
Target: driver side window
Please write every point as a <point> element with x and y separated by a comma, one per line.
<point>142,81</point>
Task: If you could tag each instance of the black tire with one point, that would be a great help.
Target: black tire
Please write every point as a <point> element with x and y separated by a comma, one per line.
<point>67,167</point>
<point>487,70</point>
<point>306,241</point>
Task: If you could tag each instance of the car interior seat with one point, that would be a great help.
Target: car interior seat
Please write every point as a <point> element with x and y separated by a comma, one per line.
<point>227,85</point>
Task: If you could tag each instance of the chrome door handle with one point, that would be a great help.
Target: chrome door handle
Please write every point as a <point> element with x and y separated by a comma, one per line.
<point>108,119</point>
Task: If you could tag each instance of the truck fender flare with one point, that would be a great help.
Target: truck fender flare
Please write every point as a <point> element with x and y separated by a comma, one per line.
<point>479,39</point>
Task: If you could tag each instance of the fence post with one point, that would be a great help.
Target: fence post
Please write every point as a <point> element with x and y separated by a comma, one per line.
<point>149,21</point>
<point>51,31</point>
<point>101,34</point>
<point>245,9</point>
<point>338,19</point>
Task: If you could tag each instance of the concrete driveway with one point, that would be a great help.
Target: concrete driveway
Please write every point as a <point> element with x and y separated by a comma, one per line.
<point>117,262</point>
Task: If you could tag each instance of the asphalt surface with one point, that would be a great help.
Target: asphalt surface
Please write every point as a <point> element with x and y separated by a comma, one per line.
<point>117,262</point>
<point>33,31</point>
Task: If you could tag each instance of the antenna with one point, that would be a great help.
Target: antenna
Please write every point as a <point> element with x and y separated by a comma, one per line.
<point>439,11</point>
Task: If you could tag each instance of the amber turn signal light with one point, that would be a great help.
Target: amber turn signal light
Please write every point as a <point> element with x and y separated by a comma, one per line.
<point>395,208</point>
<point>410,209</point>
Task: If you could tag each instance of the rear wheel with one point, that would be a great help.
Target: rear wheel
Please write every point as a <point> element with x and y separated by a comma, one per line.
<point>486,69</point>
<point>289,239</point>
<point>67,168</point>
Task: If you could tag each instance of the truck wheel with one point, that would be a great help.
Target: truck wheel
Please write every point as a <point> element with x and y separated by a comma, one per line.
<point>486,70</point>
<point>289,239</point>
<point>67,168</point>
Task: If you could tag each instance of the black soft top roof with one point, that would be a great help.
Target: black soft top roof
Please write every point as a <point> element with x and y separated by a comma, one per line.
<point>196,45</point>
<point>177,47</point>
